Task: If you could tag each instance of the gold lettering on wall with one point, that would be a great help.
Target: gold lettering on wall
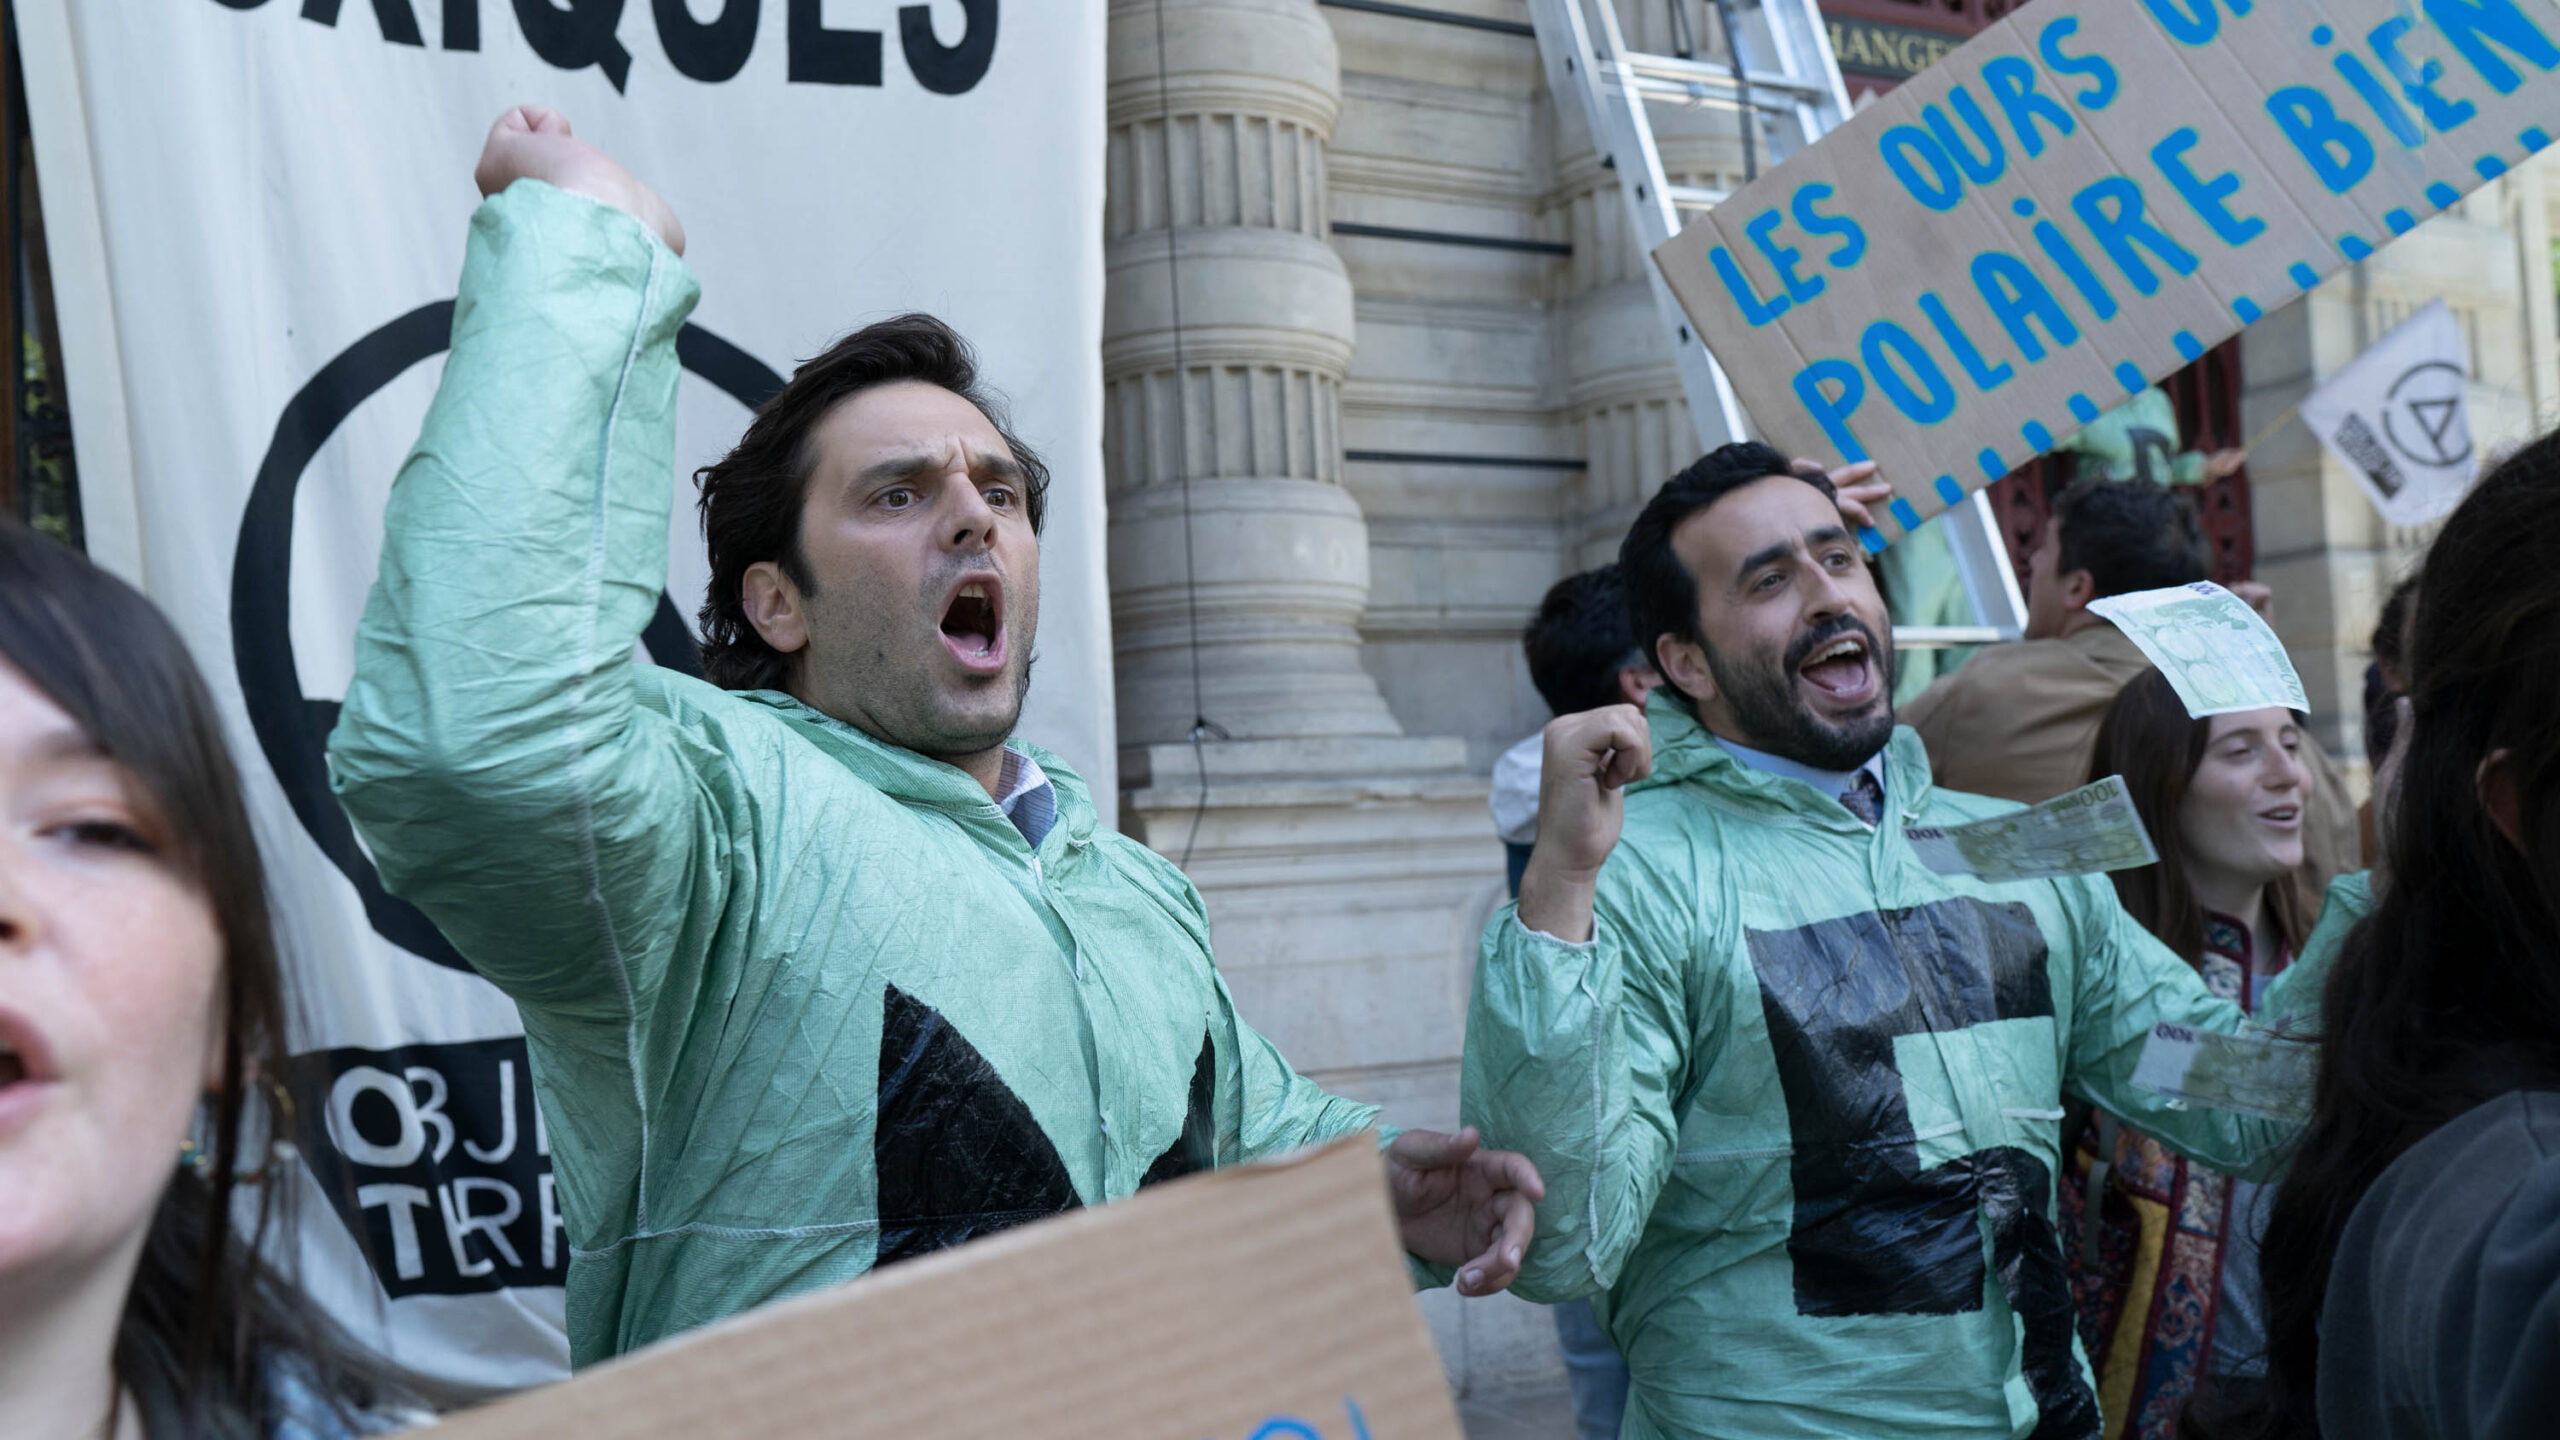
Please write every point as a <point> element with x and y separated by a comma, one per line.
<point>1895,52</point>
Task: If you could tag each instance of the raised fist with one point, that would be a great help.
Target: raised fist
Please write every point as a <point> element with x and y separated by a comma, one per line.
<point>532,142</point>
<point>1590,759</point>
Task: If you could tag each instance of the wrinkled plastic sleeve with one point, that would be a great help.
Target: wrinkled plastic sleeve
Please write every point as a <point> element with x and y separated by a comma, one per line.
<point>493,750</point>
<point>1572,1056</point>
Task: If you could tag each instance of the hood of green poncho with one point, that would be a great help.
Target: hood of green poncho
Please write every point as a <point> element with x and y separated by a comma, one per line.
<point>1685,753</point>
<point>922,780</point>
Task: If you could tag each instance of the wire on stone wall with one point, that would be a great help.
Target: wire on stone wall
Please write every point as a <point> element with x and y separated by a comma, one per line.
<point>1202,727</point>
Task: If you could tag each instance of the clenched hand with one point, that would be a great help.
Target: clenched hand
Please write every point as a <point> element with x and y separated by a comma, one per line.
<point>1590,759</point>
<point>531,142</point>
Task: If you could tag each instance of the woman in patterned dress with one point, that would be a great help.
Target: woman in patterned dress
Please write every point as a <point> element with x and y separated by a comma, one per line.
<point>2165,1267</point>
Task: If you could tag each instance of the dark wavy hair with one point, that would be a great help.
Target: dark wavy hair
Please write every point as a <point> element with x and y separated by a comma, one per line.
<point>2149,738</point>
<point>2389,650</point>
<point>1662,596</point>
<point>1579,641</point>
<point>2448,995</point>
<point>2130,535</point>
<point>207,1315</point>
<point>751,499</point>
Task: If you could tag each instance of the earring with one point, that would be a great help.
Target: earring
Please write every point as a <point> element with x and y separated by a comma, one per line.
<point>195,1153</point>
<point>281,1151</point>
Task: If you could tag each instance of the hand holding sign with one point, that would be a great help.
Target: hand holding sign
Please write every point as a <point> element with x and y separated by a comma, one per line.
<point>532,142</point>
<point>1858,490</point>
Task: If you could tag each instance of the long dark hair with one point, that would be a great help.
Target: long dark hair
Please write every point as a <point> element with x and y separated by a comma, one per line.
<point>2448,995</point>
<point>206,1311</point>
<point>2149,739</point>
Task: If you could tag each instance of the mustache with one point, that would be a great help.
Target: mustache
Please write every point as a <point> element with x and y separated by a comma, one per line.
<point>1826,634</point>
<point>942,576</point>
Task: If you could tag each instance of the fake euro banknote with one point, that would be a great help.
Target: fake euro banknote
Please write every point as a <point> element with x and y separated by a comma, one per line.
<point>2082,832</point>
<point>2217,653</point>
<point>2253,1072</point>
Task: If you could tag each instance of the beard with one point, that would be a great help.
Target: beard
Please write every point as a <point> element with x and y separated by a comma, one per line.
<point>876,670</point>
<point>1761,690</point>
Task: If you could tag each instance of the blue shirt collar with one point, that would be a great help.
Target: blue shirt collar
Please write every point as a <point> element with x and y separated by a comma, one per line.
<point>1830,782</point>
<point>1026,797</point>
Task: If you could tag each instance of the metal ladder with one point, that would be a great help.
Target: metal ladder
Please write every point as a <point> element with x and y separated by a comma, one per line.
<point>1778,65</point>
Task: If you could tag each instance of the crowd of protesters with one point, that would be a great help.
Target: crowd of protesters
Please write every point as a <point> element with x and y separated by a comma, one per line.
<point>1800,1136</point>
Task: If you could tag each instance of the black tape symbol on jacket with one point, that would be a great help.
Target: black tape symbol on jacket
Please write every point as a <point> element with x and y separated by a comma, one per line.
<point>1875,1234</point>
<point>959,1155</point>
<point>1196,1148</point>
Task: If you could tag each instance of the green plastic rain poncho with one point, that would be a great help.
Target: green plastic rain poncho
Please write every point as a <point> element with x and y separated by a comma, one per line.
<point>798,1002</point>
<point>2137,440</point>
<point>1797,1105</point>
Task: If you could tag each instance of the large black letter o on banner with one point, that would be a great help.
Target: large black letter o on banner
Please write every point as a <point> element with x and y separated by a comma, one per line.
<point>293,731</point>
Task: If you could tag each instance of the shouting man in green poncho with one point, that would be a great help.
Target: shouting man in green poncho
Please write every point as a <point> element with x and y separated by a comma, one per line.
<point>820,968</point>
<point>1796,1096</point>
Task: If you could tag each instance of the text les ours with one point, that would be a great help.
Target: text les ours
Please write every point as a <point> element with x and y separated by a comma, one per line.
<point>574,34</point>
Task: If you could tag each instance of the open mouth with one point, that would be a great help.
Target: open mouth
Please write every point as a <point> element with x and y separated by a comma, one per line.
<point>973,624</point>
<point>26,1066</point>
<point>2283,817</point>
<point>1844,669</point>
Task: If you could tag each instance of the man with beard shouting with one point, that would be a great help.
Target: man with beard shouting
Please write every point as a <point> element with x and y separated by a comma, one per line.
<point>1795,1095</point>
<point>819,966</point>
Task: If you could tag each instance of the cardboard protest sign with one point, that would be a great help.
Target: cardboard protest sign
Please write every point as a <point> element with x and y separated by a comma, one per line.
<point>1264,1301</point>
<point>2397,417</point>
<point>2086,196</point>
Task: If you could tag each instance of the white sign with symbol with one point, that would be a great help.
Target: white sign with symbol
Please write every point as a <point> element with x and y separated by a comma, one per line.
<point>2395,417</point>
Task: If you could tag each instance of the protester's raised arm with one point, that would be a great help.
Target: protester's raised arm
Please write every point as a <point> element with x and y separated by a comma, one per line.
<point>1590,760</point>
<point>532,142</point>
<point>1573,1058</point>
<point>494,748</point>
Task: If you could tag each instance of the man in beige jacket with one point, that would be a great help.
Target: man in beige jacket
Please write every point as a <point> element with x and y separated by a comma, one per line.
<point>2019,721</point>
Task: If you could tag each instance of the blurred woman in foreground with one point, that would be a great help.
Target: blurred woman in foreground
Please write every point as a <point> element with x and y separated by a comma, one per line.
<point>141,1008</point>
<point>2163,1265</point>
<point>2412,1262</point>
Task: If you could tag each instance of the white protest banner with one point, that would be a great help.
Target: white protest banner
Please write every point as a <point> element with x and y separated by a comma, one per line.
<point>2398,418</point>
<point>256,211</point>
<point>2086,196</point>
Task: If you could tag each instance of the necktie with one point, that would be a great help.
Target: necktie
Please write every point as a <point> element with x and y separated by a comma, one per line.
<point>1864,798</point>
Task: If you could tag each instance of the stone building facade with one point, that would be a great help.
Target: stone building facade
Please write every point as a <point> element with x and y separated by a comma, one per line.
<point>1380,367</point>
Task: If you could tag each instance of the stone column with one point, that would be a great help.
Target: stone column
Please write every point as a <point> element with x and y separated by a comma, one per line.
<point>1226,333</point>
<point>1347,867</point>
